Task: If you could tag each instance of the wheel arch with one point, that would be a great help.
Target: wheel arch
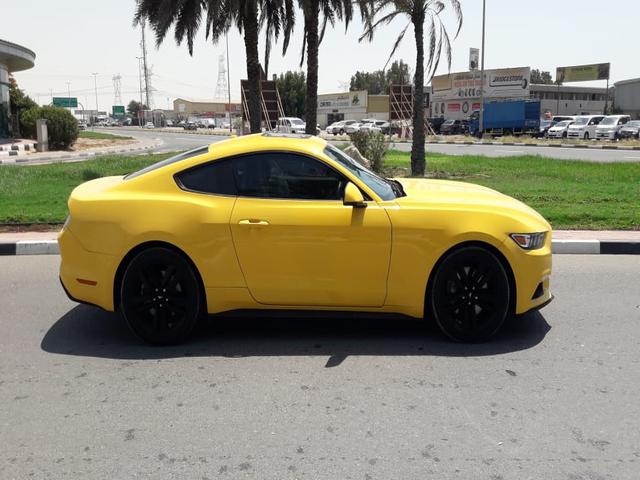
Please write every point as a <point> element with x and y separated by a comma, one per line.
<point>144,246</point>
<point>487,246</point>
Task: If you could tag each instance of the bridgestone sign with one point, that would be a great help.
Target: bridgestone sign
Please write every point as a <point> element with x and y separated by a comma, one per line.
<point>456,95</point>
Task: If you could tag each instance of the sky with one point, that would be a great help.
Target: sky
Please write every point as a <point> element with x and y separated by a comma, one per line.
<point>74,38</point>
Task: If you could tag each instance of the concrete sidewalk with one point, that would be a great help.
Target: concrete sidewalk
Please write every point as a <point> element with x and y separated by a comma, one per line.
<point>592,242</point>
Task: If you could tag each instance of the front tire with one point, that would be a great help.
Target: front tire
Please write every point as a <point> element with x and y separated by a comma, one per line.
<point>160,296</point>
<point>470,294</point>
<point>586,135</point>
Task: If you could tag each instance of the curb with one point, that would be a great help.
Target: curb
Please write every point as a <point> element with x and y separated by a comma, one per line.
<point>140,147</point>
<point>564,247</point>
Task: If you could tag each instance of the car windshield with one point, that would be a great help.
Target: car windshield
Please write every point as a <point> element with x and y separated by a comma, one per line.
<point>448,122</point>
<point>581,121</point>
<point>609,121</point>
<point>296,121</point>
<point>563,123</point>
<point>386,189</point>
<point>634,124</point>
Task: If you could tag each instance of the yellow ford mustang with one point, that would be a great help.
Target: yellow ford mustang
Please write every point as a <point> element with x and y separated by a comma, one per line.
<point>273,221</point>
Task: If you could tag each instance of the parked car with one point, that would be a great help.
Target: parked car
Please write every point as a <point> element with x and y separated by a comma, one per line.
<point>338,237</point>
<point>169,123</point>
<point>436,124</point>
<point>352,128</point>
<point>339,128</point>
<point>584,127</point>
<point>290,125</point>
<point>559,130</point>
<point>630,130</point>
<point>82,125</point>
<point>190,126</point>
<point>374,126</point>
<point>149,125</point>
<point>454,127</point>
<point>609,127</point>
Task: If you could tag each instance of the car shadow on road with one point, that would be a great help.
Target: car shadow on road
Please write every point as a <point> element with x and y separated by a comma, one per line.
<point>88,331</point>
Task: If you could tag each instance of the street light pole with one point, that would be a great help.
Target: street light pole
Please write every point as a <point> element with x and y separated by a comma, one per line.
<point>481,119</point>
<point>95,86</point>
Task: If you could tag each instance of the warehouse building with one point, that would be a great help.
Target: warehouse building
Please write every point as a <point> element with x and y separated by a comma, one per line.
<point>627,97</point>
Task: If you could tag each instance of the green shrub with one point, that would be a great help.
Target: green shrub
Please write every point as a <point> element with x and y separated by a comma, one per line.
<point>62,127</point>
<point>372,146</point>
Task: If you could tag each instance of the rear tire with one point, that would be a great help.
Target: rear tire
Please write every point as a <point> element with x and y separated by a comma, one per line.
<point>470,294</point>
<point>160,296</point>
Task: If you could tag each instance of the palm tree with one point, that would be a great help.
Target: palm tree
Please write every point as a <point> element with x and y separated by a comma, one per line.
<point>313,35</point>
<point>219,16</point>
<point>418,12</point>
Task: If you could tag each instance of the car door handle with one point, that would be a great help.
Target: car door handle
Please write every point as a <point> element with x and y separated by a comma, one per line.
<point>253,221</point>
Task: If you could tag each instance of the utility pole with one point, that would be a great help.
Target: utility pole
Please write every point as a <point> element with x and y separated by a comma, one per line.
<point>140,80</point>
<point>69,94</point>
<point>229,83</point>
<point>144,64</point>
<point>481,119</point>
<point>95,86</point>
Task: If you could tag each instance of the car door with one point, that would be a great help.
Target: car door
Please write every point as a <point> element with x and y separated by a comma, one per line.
<point>297,243</point>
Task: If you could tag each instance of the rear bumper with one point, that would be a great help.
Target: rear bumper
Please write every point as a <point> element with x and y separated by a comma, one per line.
<point>86,277</point>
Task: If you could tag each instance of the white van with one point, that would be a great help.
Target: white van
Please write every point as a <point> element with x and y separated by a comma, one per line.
<point>584,127</point>
<point>609,128</point>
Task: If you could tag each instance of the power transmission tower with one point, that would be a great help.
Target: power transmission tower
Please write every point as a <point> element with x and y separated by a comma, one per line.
<point>117,90</point>
<point>344,86</point>
<point>222,85</point>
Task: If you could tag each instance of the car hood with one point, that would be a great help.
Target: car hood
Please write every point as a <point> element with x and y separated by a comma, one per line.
<point>576,127</point>
<point>428,193</point>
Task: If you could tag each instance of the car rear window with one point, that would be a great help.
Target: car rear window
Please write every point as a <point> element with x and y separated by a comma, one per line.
<point>182,156</point>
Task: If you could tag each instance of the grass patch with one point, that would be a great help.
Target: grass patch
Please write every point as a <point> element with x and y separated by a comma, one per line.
<point>101,136</point>
<point>570,194</point>
<point>39,193</point>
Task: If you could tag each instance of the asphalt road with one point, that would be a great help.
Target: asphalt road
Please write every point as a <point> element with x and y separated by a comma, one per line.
<point>183,141</point>
<point>554,396</point>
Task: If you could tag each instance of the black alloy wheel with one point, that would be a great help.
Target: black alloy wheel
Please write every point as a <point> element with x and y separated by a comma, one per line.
<point>470,295</point>
<point>342,131</point>
<point>160,296</point>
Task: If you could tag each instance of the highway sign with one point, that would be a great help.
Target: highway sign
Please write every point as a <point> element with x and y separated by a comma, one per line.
<point>65,102</point>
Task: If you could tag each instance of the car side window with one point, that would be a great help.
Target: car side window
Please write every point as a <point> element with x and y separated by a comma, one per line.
<point>286,176</point>
<point>215,178</point>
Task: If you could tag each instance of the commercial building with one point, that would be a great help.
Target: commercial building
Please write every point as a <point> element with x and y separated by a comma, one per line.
<point>356,105</point>
<point>627,97</point>
<point>457,95</point>
<point>184,109</point>
<point>13,58</point>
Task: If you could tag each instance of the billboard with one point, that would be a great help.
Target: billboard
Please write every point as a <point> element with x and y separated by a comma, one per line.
<point>499,83</point>
<point>583,73</point>
<point>474,58</point>
<point>332,101</point>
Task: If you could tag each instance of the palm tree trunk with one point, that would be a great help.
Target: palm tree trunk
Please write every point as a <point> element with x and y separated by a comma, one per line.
<point>311,13</point>
<point>418,160</point>
<point>253,66</point>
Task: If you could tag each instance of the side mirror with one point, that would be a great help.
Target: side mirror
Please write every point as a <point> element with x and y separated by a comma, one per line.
<point>353,197</point>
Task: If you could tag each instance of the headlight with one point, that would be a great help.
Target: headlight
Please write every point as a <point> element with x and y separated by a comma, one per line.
<point>529,241</point>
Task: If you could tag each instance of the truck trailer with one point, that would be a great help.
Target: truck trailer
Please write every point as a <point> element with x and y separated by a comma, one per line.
<point>509,117</point>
